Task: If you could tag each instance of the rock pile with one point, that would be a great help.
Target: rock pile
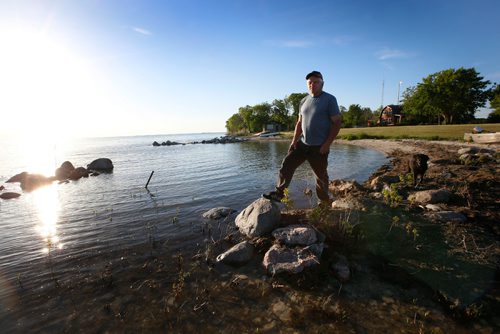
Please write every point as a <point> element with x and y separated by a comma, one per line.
<point>296,247</point>
<point>63,174</point>
<point>217,140</point>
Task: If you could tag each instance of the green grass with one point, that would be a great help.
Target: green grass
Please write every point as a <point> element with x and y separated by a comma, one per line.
<point>427,132</point>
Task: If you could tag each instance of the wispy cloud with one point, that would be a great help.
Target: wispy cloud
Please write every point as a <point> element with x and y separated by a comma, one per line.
<point>387,53</point>
<point>296,43</point>
<point>343,40</point>
<point>291,43</point>
<point>142,31</point>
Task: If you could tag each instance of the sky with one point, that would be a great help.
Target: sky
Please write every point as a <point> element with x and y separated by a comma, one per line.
<point>110,68</point>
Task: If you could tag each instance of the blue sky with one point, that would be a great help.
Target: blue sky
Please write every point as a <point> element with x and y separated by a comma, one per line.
<point>102,68</point>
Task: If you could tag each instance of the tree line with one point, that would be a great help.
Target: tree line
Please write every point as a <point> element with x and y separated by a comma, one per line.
<point>447,97</point>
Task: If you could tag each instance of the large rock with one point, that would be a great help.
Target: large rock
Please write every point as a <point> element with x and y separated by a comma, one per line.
<point>238,254</point>
<point>18,177</point>
<point>349,203</point>
<point>280,259</point>
<point>431,196</point>
<point>101,164</point>
<point>218,213</point>
<point>296,235</point>
<point>31,181</point>
<point>78,173</point>
<point>63,172</point>
<point>259,218</point>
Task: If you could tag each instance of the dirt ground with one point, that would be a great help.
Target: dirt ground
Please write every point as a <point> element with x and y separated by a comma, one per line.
<point>475,185</point>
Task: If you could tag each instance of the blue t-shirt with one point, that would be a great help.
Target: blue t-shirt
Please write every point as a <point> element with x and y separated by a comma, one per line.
<point>316,113</point>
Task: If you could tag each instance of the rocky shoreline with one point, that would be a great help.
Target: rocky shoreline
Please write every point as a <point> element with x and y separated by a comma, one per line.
<point>458,200</point>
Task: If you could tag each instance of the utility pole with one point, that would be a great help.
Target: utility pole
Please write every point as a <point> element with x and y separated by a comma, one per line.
<point>399,88</point>
<point>382,101</point>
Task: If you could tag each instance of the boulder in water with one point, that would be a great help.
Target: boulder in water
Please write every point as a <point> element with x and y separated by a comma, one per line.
<point>101,164</point>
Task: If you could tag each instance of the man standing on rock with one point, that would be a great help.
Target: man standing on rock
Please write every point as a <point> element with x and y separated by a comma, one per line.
<point>318,124</point>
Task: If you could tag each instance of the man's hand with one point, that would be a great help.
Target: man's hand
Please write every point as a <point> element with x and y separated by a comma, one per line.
<point>293,146</point>
<point>325,148</point>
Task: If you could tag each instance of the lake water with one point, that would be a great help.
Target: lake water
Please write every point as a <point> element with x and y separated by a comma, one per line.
<point>61,233</point>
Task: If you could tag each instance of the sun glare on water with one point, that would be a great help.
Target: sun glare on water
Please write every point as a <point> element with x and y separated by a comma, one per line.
<point>46,201</point>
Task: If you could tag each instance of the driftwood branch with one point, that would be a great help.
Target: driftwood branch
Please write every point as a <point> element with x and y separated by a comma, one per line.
<point>150,176</point>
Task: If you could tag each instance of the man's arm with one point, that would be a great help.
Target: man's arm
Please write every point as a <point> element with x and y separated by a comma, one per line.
<point>296,134</point>
<point>334,131</point>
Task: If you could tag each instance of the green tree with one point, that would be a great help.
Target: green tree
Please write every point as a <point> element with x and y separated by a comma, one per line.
<point>280,113</point>
<point>235,124</point>
<point>494,116</point>
<point>356,116</point>
<point>414,107</point>
<point>292,103</point>
<point>450,96</point>
<point>261,114</point>
<point>246,115</point>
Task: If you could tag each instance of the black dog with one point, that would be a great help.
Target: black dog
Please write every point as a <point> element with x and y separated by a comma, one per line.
<point>417,164</point>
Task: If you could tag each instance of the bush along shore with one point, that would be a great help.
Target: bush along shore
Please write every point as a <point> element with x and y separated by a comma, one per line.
<point>217,140</point>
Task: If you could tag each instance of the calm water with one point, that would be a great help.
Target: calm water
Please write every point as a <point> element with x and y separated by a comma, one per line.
<point>66,230</point>
<point>112,209</point>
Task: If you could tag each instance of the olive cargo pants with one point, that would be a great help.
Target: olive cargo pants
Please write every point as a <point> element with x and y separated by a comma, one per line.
<point>318,163</point>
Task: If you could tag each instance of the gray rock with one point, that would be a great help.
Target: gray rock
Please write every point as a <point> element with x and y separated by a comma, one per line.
<point>101,164</point>
<point>259,218</point>
<point>341,269</point>
<point>448,217</point>
<point>348,203</point>
<point>296,235</point>
<point>377,184</point>
<point>433,207</point>
<point>280,259</point>
<point>342,187</point>
<point>217,213</point>
<point>316,248</point>
<point>431,196</point>
<point>238,254</point>
<point>474,150</point>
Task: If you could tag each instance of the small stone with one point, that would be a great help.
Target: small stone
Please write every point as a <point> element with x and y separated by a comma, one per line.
<point>217,213</point>
<point>9,195</point>
<point>433,207</point>
<point>238,254</point>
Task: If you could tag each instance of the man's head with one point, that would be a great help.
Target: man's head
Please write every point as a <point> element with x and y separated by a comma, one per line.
<point>315,83</point>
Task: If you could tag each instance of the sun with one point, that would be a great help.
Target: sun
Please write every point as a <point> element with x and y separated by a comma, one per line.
<point>45,87</point>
